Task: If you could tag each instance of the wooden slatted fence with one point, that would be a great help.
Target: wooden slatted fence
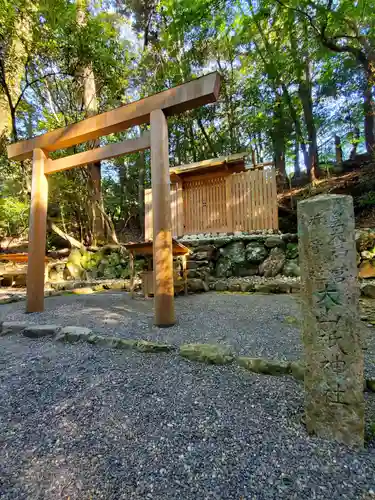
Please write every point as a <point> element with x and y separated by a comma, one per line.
<point>246,201</point>
<point>252,200</point>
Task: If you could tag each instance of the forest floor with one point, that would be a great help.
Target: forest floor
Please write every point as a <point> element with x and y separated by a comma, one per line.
<point>81,422</point>
<point>358,182</point>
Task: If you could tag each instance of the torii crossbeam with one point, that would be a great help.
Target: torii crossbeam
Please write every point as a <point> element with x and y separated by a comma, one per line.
<point>154,110</point>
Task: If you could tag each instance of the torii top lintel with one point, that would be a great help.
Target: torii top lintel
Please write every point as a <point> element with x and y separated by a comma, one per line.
<point>187,96</point>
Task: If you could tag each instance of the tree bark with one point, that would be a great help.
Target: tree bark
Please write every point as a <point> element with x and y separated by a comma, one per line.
<point>304,92</point>
<point>90,104</point>
<point>297,170</point>
<point>369,116</point>
<point>338,150</point>
<point>141,192</point>
<point>278,139</point>
<point>206,136</point>
<point>355,141</point>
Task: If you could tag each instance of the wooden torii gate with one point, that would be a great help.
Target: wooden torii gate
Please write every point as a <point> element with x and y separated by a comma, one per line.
<point>154,110</point>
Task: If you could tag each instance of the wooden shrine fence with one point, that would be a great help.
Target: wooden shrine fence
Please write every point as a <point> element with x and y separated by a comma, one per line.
<point>246,201</point>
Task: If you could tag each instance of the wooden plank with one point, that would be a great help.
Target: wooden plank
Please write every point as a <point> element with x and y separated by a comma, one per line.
<point>248,202</point>
<point>256,199</point>
<point>228,201</point>
<point>261,198</point>
<point>187,96</point>
<point>37,235</point>
<point>255,177</point>
<point>242,201</point>
<point>236,203</point>
<point>209,207</point>
<point>260,195</point>
<point>148,214</point>
<point>266,200</point>
<point>223,204</point>
<point>196,210</point>
<point>270,200</point>
<point>187,207</point>
<point>180,210</point>
<point>164,313</point>
<point>173,191</point>
<point>250,177</point>
<point>98,154</point>
<point>214,210</point>
<point>274,201</point>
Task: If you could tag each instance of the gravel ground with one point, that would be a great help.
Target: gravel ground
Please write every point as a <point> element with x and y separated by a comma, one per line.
<point>83,423</point>
<point>253,325</point>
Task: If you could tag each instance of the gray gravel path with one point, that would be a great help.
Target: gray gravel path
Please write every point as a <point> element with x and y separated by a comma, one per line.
<point>83,423</point>
<point>253,325</point>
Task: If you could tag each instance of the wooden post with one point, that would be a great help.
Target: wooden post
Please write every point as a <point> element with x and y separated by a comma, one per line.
<point>164,314</point>
<point>184,274</point>
<point>132,273</point>
<point>37,234</point>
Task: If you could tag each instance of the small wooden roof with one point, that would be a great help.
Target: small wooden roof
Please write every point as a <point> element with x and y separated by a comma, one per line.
<point>145,248</point>
<point>230,161</point>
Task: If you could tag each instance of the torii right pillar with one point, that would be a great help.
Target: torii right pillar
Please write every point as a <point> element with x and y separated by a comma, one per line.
<point>164,313</point>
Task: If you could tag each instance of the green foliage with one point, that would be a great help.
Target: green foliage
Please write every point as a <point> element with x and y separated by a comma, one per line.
<point>367,199</point>
<point>14,216</point>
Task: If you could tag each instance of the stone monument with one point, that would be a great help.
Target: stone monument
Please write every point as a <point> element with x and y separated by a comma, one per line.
<point>334,404</point>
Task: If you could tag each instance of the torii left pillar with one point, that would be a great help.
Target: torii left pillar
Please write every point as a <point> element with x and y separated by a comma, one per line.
<point>37,234</point>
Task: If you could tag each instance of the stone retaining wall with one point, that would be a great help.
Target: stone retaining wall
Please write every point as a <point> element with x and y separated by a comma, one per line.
<point>247,257</point>
<point>219,259</point>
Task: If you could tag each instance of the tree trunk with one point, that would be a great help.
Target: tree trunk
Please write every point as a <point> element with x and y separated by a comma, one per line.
<point>206,136</point>
<point>369,116</point>
<point>278,139</point>
<point>304,92</point>
<point>297,170</point>
<point>141,192</point>
<point>355,141</point>
<point>253,158</point>
<point>90,104</point>
<point>338,150</point>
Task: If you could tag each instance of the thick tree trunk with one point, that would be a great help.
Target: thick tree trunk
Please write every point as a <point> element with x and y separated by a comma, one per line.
<point>338,150</point>
<point>278,139</point>
<point>304,92</point>
<point>305,154</point>
<point>369,116</point>
<point>355,141</point>
<point>141,192</point>
<point>90,104</point>
<point>297,169</point>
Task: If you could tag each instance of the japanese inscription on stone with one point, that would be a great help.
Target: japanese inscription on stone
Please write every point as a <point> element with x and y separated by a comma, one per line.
<point>332,345</point>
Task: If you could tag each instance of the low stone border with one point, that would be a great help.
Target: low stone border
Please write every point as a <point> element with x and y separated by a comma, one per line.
<point>215,354</point>
<point>73,287</point>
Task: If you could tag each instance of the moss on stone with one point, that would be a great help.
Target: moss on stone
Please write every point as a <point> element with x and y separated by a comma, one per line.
<point>207,353</point>
<point>370,384</point>
<point>125,344</point>
<point>267,367</point>
<point>147,346</point>
<point>297,370</point>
